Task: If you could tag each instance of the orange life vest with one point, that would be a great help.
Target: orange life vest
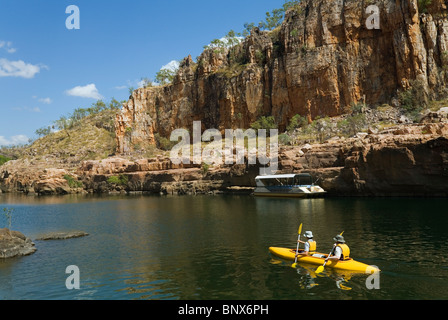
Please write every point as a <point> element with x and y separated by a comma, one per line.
<point>313,246</point>
<point>345,251</point>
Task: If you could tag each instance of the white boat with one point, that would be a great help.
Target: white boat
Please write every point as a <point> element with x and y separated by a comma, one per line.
<point>287,185</point>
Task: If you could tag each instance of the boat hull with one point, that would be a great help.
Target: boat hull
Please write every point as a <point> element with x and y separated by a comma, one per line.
<point>349,265</point>
<point>262,192</point>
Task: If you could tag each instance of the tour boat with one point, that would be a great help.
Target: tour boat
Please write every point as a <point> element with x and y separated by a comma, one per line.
<point>287,185</point>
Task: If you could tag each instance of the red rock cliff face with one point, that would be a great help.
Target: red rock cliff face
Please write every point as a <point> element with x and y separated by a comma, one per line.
<point>322,60</point>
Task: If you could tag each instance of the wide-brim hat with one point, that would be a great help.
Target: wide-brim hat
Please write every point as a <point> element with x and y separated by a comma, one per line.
<point>339,238</point>
<point>308,234</point>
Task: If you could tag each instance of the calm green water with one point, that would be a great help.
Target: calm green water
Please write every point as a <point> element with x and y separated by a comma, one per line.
<point>216,248</point>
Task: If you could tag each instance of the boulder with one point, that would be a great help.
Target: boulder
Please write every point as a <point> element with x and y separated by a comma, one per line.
<point>53,186</point>
<point>15,244</point>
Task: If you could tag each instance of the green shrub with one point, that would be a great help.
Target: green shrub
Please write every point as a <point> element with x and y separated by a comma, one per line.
<point>415,99</point>
<point>284,139</point>
<point>164,143</point>
<point>352,124</point>
<point>423,5</point>
<point>3,160</point>
<point>267,123</point>
<point>297,122</point>
<point>205,167</point>
<point>120,180</point>
<point>72,183</point>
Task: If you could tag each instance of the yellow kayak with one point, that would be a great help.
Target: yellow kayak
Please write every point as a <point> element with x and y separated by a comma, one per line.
<point>319,260</point>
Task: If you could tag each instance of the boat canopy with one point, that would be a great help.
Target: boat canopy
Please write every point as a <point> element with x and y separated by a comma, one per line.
<point>284,176</point>
<point>304,179</point>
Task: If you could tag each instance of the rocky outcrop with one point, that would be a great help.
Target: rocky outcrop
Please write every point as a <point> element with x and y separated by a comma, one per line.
<point>320,62</point>
<point>62,235</point>
<point>14,244</point>
<point>405,160</point>
<point>33,177</point>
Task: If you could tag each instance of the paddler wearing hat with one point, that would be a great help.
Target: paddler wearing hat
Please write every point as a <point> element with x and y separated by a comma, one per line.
<point>310,244</point>
<point>341,250</point>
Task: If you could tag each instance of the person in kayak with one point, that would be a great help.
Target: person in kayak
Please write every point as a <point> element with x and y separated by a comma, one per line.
<point>310,244</point>
<point>341,250</point>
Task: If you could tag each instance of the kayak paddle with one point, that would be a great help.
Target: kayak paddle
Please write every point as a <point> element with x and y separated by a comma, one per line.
<point>298,243</point>
<point>321,268</point>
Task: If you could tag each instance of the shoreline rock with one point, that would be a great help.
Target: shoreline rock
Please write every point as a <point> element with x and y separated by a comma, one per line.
<point>62,235</point>
<point>404,160</point>
<point>15,244</point>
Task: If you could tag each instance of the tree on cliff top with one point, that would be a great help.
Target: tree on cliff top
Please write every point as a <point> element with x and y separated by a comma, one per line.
<point>167,73</point>
<point>230,40</point>
<point>273,19</point>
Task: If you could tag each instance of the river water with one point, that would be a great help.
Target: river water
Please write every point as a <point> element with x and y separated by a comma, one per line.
<point>216,248</point>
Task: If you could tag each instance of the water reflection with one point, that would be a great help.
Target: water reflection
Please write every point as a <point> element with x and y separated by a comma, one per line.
<point>216,247</point>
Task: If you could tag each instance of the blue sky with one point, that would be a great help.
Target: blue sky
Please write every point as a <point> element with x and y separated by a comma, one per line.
<point>47,70</point>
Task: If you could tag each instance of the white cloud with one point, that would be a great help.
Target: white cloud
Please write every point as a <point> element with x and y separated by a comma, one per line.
<point>7,46</point>
<point>88,91</point>
<point>19,69</point>
<point>35,109</point>
<point>46,100</point>
<point>120,87</point>
<point>15,140</point>
<point>172,66</point>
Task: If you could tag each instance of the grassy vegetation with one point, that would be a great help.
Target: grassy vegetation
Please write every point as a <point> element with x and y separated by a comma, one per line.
<point>3,160</point>
<point>120,180</point>
<point>72,182</point>
<point>93,138</point>
<point>86,134</point>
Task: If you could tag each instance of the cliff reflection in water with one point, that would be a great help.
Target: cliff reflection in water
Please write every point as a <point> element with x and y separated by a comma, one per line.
<point>216,247</point>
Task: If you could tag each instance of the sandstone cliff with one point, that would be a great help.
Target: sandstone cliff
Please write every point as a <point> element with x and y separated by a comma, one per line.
<point>405,160</point>
<point>321,61</point>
